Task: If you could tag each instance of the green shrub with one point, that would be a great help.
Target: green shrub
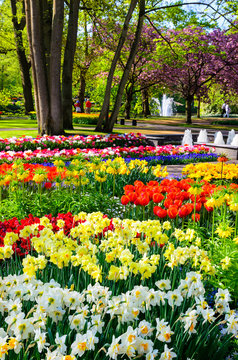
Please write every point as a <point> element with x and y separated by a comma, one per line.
<point>225,122</point>
<point>32,115</point>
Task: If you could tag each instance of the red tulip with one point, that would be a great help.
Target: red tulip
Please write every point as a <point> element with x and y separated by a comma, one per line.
<point>125,200</point>
<point>132,196</point>
<point>143,199</point>
<point>168,203</point>
<point>184,211</point>
<point>203,199</point>
<point>153,183</point>
<point>158,211</point>
<point>48,185</point>
<point>197,217</point>
<point>172,211</point>
<point>128,188</point>
<point>198,206</point>
<point>171,195</point>
<point>157,197</point>
<point>178,203</point>
<point>184,196</point>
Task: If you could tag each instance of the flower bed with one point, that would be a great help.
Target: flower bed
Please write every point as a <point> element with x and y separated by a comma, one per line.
<point>168,154</point>
<point>138,306</point>
<point>92,186</point>
<point>72,142</point>
<point>153,278</point>
<point>209,172</point>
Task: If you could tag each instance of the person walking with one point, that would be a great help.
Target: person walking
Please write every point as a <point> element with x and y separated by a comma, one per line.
<point>227,110</point>
<point>88,106</point>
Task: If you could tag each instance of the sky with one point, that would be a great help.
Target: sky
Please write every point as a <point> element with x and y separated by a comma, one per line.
<point>223,22</point>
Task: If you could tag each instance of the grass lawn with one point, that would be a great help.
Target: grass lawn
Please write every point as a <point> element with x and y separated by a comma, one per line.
<point>24,122</point>
<point>17,133</point>
<point>17,122</point>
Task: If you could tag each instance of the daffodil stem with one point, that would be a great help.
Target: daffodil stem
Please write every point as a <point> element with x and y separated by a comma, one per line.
<point>236,223</point>
<point>194,210</point>
<point>114,182</point>
<point>221,171</point>
<point>80,187</point>
<point>213,220</point>
<point>224,214</point>
<point>39,191</point>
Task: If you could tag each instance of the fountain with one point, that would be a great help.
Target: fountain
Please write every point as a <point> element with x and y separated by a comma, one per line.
<point>166,106</point>
<point>219,139</point>
<point>219,147</point>
<point>187,138</point>
<point>235,141</point>
<point>230,137</point>
<point>202,137</point>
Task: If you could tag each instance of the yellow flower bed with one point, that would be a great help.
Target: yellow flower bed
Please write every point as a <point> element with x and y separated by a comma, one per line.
<point>208,171</point>
<point>84,115</point>
<point>131,248</point>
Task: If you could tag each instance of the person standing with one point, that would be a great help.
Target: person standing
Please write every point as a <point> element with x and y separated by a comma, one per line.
<point>223,109</point>
<point>78,107</point>
<point>88,106</point>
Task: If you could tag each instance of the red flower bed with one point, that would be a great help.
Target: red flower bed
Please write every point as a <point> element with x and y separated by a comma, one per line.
<point>170,198</point>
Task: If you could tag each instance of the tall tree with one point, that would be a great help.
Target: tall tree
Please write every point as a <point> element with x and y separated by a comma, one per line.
<point>86,52</point>
<point>45,27</point>
<point>109,123</point>
<point>25,65</point>
<point>68,63</point>
<point>189,60</point>
<point>105,107</point>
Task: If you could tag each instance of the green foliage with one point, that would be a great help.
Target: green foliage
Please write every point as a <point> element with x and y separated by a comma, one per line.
<point>212,104</point>
<point>32,115</point>
<point>7,106</point>
<point>5,98</point>
<point>225,122</point>
<point>22,203</point>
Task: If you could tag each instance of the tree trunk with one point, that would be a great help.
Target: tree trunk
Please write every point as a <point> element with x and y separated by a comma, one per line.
<point>68,64</point>
<point>82,88</point>
<point>46,30</point>
<point>111,121</point>
<point>29,32</point>
<point>56,124</point>
<point>199,108</point>
<point>46,61</point>
<point>145,103</point>
<point>129,98</point>
<point>43,114</point>
<point>188,108</point>
<point>106,101</point>
<point>24,64</point>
